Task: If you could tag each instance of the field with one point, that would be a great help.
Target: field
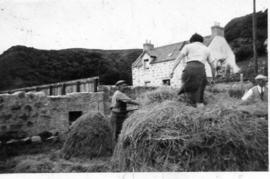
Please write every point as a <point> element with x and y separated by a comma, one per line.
<point>224,128</point>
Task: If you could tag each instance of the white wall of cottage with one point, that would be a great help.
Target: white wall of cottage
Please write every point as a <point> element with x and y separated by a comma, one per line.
<point>156,73</point>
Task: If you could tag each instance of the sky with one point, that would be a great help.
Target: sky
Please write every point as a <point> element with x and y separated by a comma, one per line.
<point>112,24</point>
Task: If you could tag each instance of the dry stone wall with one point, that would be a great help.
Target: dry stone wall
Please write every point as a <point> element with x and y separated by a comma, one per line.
<point>26,114</point>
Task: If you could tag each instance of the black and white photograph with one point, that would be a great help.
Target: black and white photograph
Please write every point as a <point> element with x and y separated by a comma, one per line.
<point>134,86</point>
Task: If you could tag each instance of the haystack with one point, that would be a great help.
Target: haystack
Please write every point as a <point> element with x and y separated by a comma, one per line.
<point>171,136</point>
<point>90,136</point>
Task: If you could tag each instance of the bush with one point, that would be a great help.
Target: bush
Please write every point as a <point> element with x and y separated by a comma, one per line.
<point>238,33</point>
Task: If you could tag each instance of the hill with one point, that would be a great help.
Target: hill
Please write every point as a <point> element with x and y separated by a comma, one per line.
<point>238,32</point>
<point>22,66</point>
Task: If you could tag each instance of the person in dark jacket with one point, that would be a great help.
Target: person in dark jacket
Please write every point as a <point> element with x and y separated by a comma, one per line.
<point>194,77</point>
<point>119,108</point>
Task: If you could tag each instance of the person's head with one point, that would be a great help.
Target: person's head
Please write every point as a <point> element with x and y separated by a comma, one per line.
<point>121,85</point>
<point>261,80</point>
<point>196,38</point>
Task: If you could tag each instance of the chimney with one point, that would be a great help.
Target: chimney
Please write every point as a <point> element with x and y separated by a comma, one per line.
<point>148,46</point>
<point>217,30</point>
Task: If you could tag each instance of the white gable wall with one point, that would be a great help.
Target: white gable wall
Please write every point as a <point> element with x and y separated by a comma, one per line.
<point>220,49</point>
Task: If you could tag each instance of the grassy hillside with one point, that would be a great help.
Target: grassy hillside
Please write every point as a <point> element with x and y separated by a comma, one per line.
<point>22,66</point>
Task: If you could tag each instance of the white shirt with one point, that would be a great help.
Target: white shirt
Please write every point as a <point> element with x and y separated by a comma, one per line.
<point>250,92</point>
<point>118,95</point>
<point>196,51</point>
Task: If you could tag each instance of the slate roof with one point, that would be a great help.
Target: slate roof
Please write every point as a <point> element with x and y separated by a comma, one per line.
<point>166,52</point>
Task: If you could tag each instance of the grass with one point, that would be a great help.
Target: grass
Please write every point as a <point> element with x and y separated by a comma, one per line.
<point>44,159</point>
<point>9,151</point>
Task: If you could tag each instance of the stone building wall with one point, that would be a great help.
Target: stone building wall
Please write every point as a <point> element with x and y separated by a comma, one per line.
<point>156,73</point>
<point>26,114</point>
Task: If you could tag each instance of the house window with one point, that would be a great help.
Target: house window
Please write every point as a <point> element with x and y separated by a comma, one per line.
<point>166,82</point>
<point>146,63</point>
<point>146,83</point>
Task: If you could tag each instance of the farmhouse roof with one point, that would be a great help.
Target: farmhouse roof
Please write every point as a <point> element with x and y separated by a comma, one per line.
<point>166,52</point>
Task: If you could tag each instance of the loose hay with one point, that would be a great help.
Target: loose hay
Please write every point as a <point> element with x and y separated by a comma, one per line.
<point>90,136</point>
<point>159,95</point>
<point>170,94</point>
<point>174,137</point>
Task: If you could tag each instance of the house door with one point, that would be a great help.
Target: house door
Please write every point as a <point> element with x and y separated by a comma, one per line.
<point>73,116</point>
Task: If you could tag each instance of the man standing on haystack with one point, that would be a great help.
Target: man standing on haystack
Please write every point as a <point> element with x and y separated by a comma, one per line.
<point>194,77</point>
<point>119,108</point>
<point>258,92</point>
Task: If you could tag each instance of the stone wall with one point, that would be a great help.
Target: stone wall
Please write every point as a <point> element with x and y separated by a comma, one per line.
<point>156,73</point>
<point>26,114</point>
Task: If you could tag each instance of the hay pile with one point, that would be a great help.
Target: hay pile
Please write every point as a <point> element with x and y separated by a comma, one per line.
<point>90,136</point>
<point>171,136</point>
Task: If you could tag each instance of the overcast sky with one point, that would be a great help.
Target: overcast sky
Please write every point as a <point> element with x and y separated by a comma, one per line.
<point>112,24</point>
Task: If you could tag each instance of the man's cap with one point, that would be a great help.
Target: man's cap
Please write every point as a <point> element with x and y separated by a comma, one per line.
<point>120,82</point>
<point>260,77</point>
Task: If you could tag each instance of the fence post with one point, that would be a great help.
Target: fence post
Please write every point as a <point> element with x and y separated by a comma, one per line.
<point>95,84</point>
<point>242,82</point>
<point>63,91</point>
<point>78,84</point>
<point>241,78</point>
<point>50,90</point>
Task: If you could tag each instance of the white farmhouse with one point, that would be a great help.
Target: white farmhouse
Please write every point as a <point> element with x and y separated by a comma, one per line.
<point>154,65</point>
